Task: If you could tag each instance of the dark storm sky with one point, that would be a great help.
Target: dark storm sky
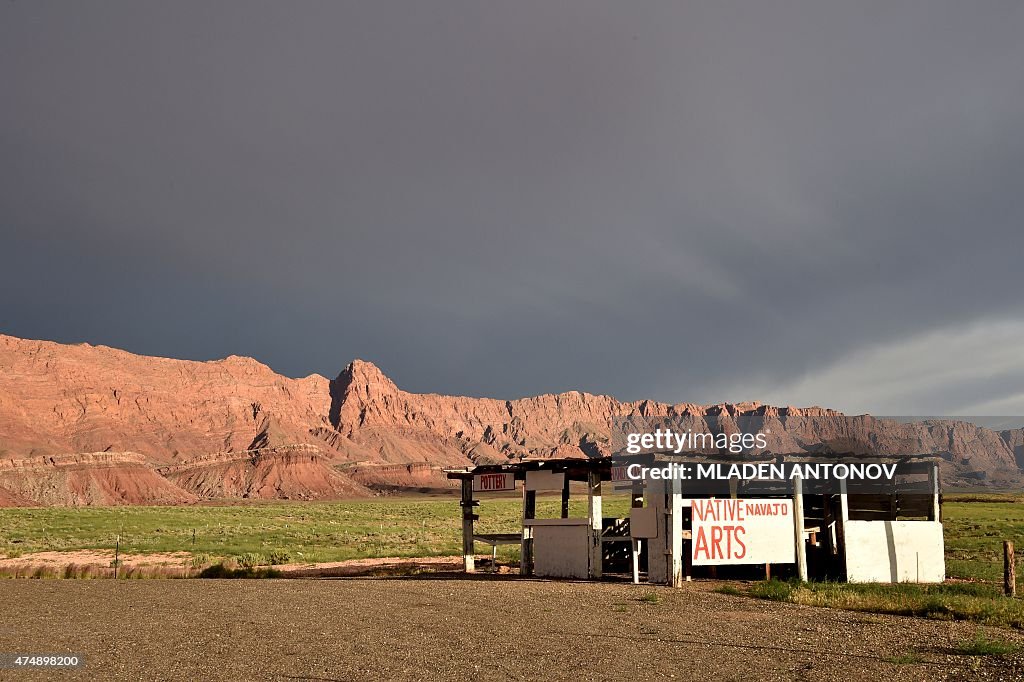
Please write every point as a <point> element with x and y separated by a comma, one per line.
<point>797,202</point>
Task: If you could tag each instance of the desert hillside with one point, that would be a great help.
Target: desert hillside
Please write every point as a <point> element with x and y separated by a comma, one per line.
<point>235,428</point>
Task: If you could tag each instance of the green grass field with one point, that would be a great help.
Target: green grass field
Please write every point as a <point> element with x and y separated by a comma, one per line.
<point>975,527</point>
<point>306,531</point>
<point>421,527</point>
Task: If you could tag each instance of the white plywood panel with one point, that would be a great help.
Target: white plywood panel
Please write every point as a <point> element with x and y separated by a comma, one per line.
<point>544,480</point>
<point>894,551</point>
<point>561,551</point>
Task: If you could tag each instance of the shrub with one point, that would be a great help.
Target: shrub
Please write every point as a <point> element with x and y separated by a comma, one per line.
<point>251,560</point>
<point>220,571</point>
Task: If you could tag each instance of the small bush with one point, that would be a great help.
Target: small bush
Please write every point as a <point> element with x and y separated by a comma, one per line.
<point>220,571</point>
<point>200,560</point>
<point>251,560</point>
<point>278,557</point>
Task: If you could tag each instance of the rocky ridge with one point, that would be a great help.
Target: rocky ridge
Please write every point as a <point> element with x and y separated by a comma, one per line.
<point>235,428</point>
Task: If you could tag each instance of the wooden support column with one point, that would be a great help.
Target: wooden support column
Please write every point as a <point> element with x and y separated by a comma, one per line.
<point>798,528</point>
<point>844,516</point>
<point>676,534</point>
<point>1009,569</point>
<point>565,495</point>
<point>933,480</point>
<point>468,517</point>
<point>637,502</point>
<point>526,544</point>
<point>596,516</point>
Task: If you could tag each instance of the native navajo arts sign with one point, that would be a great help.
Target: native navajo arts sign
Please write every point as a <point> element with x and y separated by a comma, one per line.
<point>492,483</point>
<point>750,531</point>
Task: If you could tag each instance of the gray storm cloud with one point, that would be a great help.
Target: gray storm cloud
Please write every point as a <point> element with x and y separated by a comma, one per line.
<point>683,201</point>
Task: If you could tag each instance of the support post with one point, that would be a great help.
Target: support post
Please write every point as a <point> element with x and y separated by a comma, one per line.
<point>844,516</point>
<point>676,534</point>
<point>933,480</point>
<point>636,561</point>
<point>595,514</point>
<point>798,528</point>
<point>1009,570</point>
<point>565,495</point>
<point>526,544</point>
<point>468,559</point>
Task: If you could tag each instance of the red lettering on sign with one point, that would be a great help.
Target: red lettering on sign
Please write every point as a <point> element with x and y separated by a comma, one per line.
<point>740,532</point>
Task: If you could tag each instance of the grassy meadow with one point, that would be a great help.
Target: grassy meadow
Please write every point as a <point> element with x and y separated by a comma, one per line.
<point>313,532</point>
<point>974,528</point>
<point>304,531</point>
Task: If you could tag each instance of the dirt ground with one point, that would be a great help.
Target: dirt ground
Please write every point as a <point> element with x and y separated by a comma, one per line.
<point>428,628</point>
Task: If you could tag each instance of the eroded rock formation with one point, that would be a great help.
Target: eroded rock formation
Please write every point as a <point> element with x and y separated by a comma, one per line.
<point>235,428</point>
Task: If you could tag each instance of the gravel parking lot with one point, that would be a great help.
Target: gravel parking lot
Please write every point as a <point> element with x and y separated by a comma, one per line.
<point>439,628</point>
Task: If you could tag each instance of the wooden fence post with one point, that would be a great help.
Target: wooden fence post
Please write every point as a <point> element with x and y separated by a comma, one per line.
<point>1009,570</point>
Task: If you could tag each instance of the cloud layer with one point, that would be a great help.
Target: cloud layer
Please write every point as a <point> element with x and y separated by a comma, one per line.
<point>683,201</point>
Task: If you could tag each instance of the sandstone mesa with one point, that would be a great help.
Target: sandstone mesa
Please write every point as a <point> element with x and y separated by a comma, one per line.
<point>164,431</point>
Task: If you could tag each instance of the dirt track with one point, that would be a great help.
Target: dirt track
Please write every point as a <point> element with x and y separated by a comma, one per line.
<point>421,628</point>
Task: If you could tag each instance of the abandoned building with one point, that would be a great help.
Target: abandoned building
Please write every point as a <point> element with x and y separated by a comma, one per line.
<point>749,529</point>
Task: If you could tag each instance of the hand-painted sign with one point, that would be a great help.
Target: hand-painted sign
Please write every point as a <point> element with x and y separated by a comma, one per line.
<point>747,531</point>
<point>492,483</point>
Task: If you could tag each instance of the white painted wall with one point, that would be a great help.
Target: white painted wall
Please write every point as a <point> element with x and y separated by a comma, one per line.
<point>895,551</point>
